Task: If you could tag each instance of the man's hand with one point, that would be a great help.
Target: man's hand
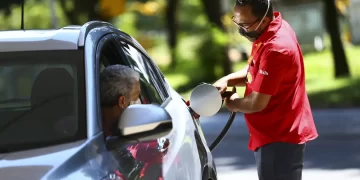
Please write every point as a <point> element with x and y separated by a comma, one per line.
<point>221,85</point>
<point>230,101</point>
<point>255,102</point>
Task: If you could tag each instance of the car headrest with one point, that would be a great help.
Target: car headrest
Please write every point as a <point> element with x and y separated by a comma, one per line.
<point>50,84</point>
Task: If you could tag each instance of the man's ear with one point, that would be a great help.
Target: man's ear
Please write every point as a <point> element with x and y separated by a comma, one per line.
<point>121,102</point>
<point>266,22</point>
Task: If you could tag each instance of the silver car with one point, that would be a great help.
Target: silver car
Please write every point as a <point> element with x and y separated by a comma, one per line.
<point>50,126</point>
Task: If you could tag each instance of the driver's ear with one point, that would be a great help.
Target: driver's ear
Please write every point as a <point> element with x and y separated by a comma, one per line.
<point>121,102</point>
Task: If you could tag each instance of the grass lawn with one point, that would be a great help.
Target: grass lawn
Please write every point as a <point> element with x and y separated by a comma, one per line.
<point>324,90</point>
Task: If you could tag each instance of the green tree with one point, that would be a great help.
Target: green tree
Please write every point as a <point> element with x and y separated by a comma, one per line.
<point>37,15</point>
<point>80,11</point>
<point>213,10</point>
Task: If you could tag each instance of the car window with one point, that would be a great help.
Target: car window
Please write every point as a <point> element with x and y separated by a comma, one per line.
<point>156,73</point>
<point>42,98</point>
<point>110,54</point>
<point>151,88</point>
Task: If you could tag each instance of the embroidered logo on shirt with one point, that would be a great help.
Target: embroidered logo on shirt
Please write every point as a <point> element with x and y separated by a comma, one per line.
<point>263,72</point>
<point>248,78</point>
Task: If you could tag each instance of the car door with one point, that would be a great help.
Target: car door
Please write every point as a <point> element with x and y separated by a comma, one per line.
<point>182,160</point>
<point>136,160</point>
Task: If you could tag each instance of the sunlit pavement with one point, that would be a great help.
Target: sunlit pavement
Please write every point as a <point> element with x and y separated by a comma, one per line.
<point>335,155</point>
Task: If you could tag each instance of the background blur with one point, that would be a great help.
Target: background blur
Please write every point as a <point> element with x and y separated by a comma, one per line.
<point>195,41</point>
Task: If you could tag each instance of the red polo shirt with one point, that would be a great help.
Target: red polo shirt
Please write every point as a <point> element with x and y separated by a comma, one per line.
<point>277,69</point>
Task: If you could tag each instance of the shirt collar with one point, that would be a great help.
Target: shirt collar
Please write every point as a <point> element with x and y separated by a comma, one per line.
<point>273,27</point>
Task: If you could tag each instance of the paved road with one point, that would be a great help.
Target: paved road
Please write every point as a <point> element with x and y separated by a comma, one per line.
<point>335,155</point>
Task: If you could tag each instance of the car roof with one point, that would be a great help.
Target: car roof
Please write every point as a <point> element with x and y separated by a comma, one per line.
<point>66,38</point>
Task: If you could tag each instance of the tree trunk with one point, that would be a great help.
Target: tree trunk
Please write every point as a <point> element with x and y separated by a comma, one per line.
<point>172,26</point>
<point>213,11</point>
<point>332,24</point>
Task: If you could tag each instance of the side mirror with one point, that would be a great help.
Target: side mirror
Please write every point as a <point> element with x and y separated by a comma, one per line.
<point>205,100</point>
<point>145,122</point>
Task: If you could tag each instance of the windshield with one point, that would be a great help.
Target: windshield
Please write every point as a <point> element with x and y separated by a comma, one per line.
<point>42,99</point>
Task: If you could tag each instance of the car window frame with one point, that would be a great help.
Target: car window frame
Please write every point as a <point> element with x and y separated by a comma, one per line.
<point>121,60</point>
<point>123,37</point>
<point>164,87</point>
<point>98,54</point>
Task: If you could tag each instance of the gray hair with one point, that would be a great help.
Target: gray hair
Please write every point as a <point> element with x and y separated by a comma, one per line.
<point>116,81</point>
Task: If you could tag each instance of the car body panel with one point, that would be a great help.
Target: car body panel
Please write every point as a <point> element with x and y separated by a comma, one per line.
<point>183,148</point>
<point>87,27</point>
<point>92,98</point>
<point>36,163</point>
<point>32,40</point>
<point>86,159</point>
<point>195,134</point>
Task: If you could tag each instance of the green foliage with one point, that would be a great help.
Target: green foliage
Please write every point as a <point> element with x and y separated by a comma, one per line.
<point>219,36</point>
<point>212,53</point>
<point>191,17</point>
<point>127,23</point>
<point>36,16</point>
<point>150,23</point>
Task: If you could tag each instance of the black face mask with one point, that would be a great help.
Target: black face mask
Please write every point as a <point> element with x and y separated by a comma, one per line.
<point>253,35</point>
<point>250,35</point>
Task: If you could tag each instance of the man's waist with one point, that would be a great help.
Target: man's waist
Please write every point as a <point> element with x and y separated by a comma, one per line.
<point>283,132</point>
<point>256,143</point>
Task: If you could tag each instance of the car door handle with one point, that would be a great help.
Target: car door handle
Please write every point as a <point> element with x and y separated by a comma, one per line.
<point>163,144</point>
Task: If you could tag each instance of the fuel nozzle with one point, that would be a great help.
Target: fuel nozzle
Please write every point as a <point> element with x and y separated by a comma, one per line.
<point>227,94</point>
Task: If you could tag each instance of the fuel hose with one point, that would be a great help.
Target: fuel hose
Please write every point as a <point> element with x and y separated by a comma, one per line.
<point>227,126</point>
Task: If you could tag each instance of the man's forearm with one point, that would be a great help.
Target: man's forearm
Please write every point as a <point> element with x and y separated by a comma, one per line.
<point>237,78</point>
<point>244,105</point>
<point>255,102</point>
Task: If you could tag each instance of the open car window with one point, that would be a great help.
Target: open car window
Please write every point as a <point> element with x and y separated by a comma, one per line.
<point>149,88</point>
<point>42,99</point>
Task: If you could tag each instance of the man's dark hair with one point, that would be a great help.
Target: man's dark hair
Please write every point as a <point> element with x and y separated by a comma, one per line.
<point>258,7</point>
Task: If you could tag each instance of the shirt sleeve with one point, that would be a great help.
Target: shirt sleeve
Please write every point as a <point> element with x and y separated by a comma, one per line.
<point>272,69</point>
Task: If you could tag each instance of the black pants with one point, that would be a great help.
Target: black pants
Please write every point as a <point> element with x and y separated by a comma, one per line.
<point>280,161</point>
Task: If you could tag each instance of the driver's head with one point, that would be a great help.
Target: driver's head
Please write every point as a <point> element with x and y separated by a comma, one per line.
<point>119,88</point>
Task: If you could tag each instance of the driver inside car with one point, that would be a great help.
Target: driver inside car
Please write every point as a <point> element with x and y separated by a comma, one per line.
<point>120,88</point>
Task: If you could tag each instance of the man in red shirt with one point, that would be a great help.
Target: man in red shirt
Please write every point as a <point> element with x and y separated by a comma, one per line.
<point>275,104</point>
